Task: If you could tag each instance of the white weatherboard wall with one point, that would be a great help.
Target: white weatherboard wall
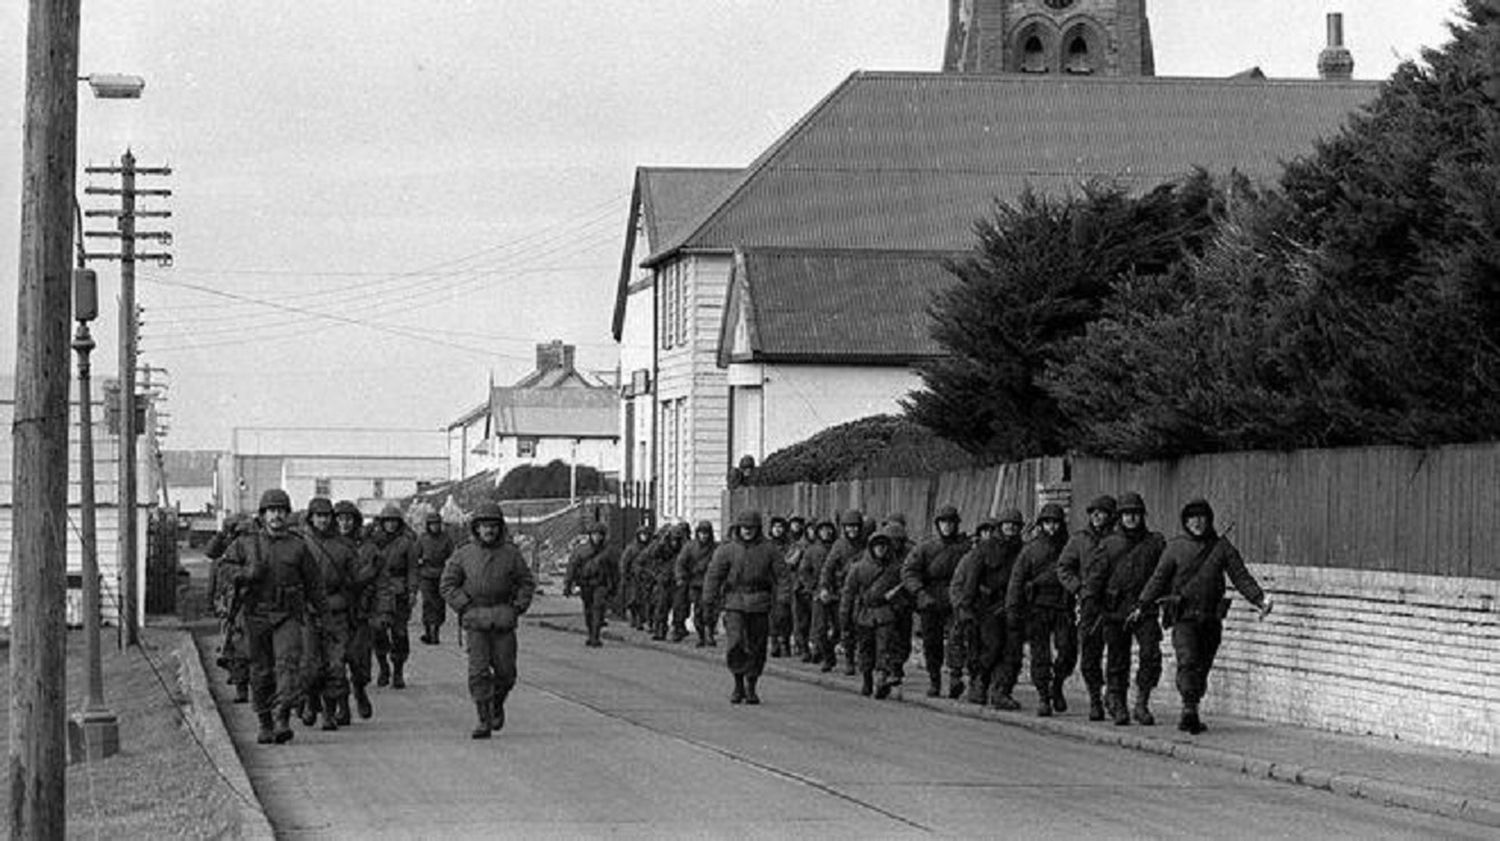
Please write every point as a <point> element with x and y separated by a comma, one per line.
<point>798,401</point>
<point>1411,657</point>
<point>695,446</point>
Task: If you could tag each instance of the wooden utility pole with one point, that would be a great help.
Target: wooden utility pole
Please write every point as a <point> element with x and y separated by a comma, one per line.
<point>38,693</point>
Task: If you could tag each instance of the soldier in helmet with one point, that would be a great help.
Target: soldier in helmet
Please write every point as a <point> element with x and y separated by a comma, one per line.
<point>781,606</point>
<point>1036,600</point>
<point>979,591</point>
<point>434,547</point>
<point>392,551</point>
<point>633,578</point>
<point>326,675</point>
<point>1189,580</point>
<point>692,568</point>
<point>234,653</point>
<point>1120,568</point>
<point>841,556</point>
<point>593,568</point>
<point>489,584</point>
<point>742,581</point>
<point>927,574</point>
<point>282,588</point>
<point>663,567</point>
<point>807,606</point>
<point>872,590</point>
<point>348,524</point>
<point>1073,566</point>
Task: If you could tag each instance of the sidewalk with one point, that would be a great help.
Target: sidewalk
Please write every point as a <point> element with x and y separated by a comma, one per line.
<point>1444,782</point>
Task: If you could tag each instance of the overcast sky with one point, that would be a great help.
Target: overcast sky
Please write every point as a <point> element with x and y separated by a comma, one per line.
<point>449,180</point>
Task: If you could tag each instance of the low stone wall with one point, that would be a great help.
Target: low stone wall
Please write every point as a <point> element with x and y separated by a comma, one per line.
<point>1411,657</point>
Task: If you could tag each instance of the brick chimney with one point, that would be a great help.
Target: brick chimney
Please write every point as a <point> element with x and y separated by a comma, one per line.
<point>1335,63</point>
<point>554,355</point>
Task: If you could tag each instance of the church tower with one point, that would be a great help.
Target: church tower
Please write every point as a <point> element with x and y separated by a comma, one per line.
<point>1079,37</point>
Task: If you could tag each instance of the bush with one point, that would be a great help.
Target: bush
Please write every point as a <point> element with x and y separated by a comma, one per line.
<point>882,445</point>
<point>550,482</point>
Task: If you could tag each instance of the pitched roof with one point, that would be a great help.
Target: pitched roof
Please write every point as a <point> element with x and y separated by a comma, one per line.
<point>665,199</point>
<point>555,412</point>
<point>910,160</point>
<point>831,305</point>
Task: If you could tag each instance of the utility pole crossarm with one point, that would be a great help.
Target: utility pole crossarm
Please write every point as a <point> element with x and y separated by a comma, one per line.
<point>138,214</point>
<point>134,191</point>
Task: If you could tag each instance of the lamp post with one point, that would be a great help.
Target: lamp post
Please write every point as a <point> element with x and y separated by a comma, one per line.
<point>96,724</point>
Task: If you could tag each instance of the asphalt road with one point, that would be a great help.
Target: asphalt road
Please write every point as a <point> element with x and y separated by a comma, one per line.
<point>626,742</point>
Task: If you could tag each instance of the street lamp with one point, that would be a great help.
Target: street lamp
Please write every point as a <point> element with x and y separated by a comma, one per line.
<point>115,85</point>
<point>98,726</point>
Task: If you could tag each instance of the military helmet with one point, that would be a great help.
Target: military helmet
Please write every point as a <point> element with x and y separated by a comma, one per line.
<point>1012,515</point>
<point>947,512</point>
<point>275,498</point>
<point>345,506</point>
<point>433,517</point>
<point>319,505</point>
<point>852,517</point>
<point>1052,511</point>
<point>391,511</point>
<point>704,527</point>
<point>597,527</point>
<point>488,511</point>
<point>749,518</point>
<point>1103,502</point>
<point>988,524</point>
<point>1198,508</point>
<point>1132,501</point>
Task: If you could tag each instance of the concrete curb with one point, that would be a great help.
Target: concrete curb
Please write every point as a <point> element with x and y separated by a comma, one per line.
<point>202,715</point>
<point>1431,801</point>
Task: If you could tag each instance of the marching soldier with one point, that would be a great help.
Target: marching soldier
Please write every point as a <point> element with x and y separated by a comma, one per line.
<point>434,547</point>
<point>1036,600</point>
<point>980,588</point>
<point>927,574</point>
<point>489,585</point>
<point>633,579</point>
<point>283,588</point>
<point>327,682</point>
<point>348,522</point>
<point>692,568</point>
<point>871,590</point>
<point>593,568</point>
<point>1072,569</point>
<point>806,607</point>
<point>841,556</point>
<point>1189,581</point>
<point>663,566</point>
<point>392,551</point>
<point>1121,566</point>
<point>781,607</point>
<point>741,583</point>
<point>234,655</point>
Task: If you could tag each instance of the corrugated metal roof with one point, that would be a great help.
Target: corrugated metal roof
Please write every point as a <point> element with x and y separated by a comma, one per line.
<point>910,160</point>
<point>833,305</point>
<point>555,412</point>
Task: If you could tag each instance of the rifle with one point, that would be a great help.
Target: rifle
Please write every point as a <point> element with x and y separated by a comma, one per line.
<point>229,628</point>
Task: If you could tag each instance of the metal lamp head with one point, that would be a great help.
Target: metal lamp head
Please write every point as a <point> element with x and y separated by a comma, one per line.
<point>85,295</point>
<point>115,85</point>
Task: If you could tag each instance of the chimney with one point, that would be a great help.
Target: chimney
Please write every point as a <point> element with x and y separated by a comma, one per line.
<point>554,355</point>
<point>1335,63</point>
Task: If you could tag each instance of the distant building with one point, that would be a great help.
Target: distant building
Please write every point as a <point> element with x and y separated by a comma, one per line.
<point>369,466</point>
<point>192,479</point>
<point>790,295</point>
<point>554,413</point>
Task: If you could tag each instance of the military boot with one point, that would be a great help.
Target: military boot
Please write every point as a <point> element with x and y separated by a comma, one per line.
<point>1003,700</point>
<point>398,674</point>
<point>1189,721</point>
<point>934,685</point>
<point>882,686</point>
<point>849,663</point>
<point>1043,701</point>
<point>242,693</point>
<point>978,691</point>
<point>437,634</point>
<point>497,714</point>
<point>1059,703</point>
<point>283,732</point>
<point>867,688</point>
<point>482,731</point>
<point>776,650</point>
<point>1118,712</point>
<point>341,711</point>
<point>750,696</point>
<point>1096,704</point>
<point>956,684</point>
<point>384,678</point>
<point>1141,712</point>
<point>362,701</point>
<point>310,709</point>
<point>266,735</point>
<point>738,695</point>
<point>329,720</point>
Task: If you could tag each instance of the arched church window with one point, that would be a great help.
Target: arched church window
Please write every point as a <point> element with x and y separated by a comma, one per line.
<point>1080,60</point>
<point>1033,55</point>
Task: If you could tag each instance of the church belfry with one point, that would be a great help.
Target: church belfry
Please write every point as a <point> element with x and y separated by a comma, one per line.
<point>1079,37</point>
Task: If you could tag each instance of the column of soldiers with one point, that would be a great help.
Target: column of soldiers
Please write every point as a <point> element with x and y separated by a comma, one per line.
<point>1098,598</point>
<point>306,606</point>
